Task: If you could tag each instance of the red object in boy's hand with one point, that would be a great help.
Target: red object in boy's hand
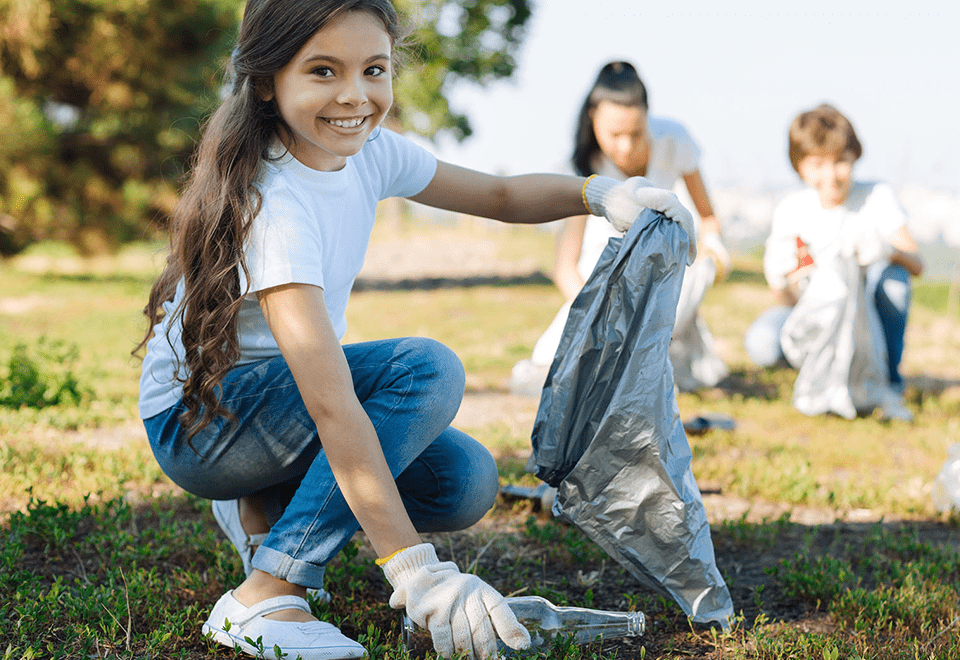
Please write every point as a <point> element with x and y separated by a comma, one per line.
<point>803,255</point>
<point>798,277</point>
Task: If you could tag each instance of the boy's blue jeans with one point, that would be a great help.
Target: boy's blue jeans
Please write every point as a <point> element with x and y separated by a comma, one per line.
<point>410,388</point>
<point>890,284</point>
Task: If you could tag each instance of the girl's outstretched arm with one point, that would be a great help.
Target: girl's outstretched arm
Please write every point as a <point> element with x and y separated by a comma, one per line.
<point>298,319</point>
<point>523,199</point>
<point>534,198</point>
<point>709,225</point>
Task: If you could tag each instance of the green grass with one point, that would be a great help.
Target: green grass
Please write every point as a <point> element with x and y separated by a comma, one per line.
<point>461,319</point>
<point>935,296</point>
<point>100,315</point>
<point>101,556</point>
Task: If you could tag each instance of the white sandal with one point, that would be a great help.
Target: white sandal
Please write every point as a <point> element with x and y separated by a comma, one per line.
<point>227,513</point>
<point>232,623</point>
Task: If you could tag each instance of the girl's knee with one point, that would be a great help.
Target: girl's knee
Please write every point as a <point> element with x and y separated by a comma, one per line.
<point>439,363</point>
<point>488,480</point>
<point>452,485</point>
<point>482,495</point>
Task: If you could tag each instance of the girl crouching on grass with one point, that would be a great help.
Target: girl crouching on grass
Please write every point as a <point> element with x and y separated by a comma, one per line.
<point>247,394</point>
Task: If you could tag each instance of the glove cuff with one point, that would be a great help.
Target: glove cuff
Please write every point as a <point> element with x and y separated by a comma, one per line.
<point>408,561</point>
<point>595,193</point>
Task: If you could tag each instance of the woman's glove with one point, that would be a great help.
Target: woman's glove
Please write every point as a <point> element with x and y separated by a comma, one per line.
<point>713,247</point>
<point>461,611</point>
<point>622,201</point>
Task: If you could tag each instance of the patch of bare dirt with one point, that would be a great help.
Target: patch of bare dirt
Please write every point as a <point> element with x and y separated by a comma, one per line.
<point>413,257</point>
<point>17,305</point>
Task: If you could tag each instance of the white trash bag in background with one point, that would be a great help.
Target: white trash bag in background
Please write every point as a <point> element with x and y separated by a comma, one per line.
<point>696,363</point>
<point>834,338</point>
<point>946,487</point>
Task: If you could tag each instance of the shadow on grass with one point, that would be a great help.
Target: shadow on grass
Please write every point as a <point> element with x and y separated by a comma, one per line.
<point>433,283</point>
<point>792,571</point>
<point>931,391</point>
<point>932,385</point>
<point>744,276</point>
<point>96,278</point>
<point>763,384</point>
<point>776,383</point>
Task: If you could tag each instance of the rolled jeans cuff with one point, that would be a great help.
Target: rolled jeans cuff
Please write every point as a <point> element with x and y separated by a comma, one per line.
<point>287,568</point>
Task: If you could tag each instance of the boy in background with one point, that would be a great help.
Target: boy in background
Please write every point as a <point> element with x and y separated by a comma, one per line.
<point>809,225</point>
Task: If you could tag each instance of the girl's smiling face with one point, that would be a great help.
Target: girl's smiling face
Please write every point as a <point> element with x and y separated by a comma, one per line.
<point>335,90</point>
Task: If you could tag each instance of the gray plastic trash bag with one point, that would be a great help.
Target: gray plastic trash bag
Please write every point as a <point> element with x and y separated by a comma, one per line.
<point>608,433</point>
<point>833,337</point>
<point>693,354</point>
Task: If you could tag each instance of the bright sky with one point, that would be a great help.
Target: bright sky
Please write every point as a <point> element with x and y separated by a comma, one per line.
<point>735,73</point>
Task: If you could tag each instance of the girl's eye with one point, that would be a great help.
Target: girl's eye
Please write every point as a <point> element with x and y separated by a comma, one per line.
<point>376,70</point>
<point>322,71</point>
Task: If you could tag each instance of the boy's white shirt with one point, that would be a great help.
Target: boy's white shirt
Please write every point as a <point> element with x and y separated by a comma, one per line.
<point>862,225</point>
<point>313,228</point>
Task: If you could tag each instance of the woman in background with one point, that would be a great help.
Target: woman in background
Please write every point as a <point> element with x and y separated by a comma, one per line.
<point>617,137</point>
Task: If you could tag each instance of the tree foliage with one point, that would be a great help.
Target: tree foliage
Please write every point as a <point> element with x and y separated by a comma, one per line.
<point>452,42</point>
<point>101,101</point>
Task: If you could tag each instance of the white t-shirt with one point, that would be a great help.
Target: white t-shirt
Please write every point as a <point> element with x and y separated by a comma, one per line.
<point>870,213</point>
<point>673,153</point>
<point>313,228</point>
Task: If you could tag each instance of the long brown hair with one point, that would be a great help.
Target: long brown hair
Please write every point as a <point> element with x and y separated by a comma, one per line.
<point>212,221</point>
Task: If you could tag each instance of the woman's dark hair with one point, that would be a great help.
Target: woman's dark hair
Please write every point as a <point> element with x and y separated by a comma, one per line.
<point>211,222</point>
<point>617,82</point>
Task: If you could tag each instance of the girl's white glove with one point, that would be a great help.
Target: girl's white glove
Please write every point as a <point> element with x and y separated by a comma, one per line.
<point>622,201</point>
<point>461,611</point>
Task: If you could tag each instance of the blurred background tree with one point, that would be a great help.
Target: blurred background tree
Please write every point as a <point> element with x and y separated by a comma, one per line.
<point>101,101</point>
<point>455,41</point>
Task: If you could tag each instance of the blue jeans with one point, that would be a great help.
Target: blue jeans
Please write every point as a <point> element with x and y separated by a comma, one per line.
<point>890,284</point>
<point>410,388</point>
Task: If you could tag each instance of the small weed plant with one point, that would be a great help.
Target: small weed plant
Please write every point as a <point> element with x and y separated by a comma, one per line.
<point>41,375</point>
